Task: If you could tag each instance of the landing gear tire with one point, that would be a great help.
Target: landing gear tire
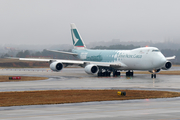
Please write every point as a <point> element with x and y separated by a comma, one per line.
<point>129,74</point>
<point>103,74</point>
<point>115,73</point>
<point>107,73</point>
<point>153,75</point>
<point>99,74</point>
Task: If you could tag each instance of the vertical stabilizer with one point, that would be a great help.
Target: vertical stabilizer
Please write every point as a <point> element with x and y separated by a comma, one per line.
<point>76,37</point>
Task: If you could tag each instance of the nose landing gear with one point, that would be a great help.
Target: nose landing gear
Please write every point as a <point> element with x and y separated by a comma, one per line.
<point>153,75</point>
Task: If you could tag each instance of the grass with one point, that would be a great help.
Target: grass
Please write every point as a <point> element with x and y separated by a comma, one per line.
<point>76,96</point>
<point>15,63</point>
<point>23,78</point>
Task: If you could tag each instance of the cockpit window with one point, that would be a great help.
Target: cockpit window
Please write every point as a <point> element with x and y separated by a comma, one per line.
<point>155,51</point>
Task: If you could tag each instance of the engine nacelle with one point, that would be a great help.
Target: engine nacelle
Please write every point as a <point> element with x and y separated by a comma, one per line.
<point>56,66</point>
<point>91,69</point>
<point>167,65</point>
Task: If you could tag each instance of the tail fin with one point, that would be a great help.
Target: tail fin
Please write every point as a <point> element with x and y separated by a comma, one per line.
<point>76,37</point>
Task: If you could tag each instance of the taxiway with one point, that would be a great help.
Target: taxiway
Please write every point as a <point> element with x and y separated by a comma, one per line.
<point>75,78</point>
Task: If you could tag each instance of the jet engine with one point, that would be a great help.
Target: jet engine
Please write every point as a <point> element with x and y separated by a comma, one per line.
<point>56,66</point>
<point>167,65</point>
<point>91,69</point>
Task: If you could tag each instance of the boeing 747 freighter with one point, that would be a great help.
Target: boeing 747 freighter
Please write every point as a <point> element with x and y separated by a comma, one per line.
<point>105,62</point>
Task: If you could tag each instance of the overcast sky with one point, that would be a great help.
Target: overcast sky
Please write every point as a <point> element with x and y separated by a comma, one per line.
<point>48,21</point>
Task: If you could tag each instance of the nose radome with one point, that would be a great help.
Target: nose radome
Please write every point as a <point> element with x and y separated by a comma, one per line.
<point>164,60</point>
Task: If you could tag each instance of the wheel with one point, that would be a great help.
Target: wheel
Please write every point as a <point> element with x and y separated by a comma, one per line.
<point>109,73</point>
<point>114,73</point>
<point>118,73</point>
<point>152,75</point>
<point>103,74</point>
<point>99,74</point>
<point>106,73</point>
<point>127,74</point>
<point>131,74</point>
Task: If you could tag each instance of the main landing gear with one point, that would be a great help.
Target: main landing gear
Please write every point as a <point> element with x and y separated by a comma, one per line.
<point>129,74</point>
<point>107,73</point>
<point>116,73</point>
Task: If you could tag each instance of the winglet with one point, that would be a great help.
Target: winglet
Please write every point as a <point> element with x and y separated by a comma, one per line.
<point>76,37</point>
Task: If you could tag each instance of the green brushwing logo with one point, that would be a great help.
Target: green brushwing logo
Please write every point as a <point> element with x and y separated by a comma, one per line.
<point>76,38</point>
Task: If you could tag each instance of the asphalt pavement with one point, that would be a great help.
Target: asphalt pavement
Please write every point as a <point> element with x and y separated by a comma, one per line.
<point>76,78</point>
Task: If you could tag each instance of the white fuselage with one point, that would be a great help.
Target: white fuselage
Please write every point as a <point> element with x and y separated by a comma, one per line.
<point>145,58</point>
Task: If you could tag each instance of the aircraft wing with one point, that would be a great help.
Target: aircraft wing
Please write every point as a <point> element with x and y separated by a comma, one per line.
<point>170,58</point>
<point>51,60</point>
<point>78,62</point>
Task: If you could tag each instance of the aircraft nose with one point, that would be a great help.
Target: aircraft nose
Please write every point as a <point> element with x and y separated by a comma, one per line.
<point>163,61</point>
<point>159,61</point>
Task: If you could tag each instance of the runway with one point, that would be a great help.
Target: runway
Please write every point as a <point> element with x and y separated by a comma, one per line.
<point>72,78</point>
<point>166,109</point>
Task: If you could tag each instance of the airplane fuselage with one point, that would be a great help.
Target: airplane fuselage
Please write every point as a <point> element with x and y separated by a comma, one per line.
<point>145,58</point>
